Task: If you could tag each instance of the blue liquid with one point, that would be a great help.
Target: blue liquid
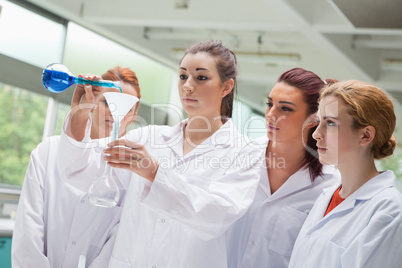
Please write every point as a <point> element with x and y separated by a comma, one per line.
<point>56,81</point>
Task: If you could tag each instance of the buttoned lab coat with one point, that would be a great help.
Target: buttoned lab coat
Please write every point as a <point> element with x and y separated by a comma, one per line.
<point>265,235</point>
<point>365,230</point>
<point>55,223</point>
<point>181,219</point>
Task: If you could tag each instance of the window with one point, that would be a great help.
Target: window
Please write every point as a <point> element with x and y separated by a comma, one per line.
<point>247,121</point>
<point>34,39</point>
<point>98,54</point>
<point>22,118</point>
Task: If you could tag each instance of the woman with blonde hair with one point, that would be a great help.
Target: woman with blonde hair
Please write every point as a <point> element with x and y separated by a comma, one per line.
<point>359,222</point>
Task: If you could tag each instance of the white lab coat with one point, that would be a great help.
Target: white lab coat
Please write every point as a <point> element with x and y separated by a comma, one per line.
<point>265,235</point>
<point>365,230</point>
<point>181,219</point>
<point>55,223</point>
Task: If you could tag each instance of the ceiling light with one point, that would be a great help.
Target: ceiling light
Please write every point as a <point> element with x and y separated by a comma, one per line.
<point>391,64</point>
<point>383,42</point>
<point>181,4</point>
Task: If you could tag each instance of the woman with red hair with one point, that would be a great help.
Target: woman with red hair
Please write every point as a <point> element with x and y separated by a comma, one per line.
<point>358,221</point>
<point>290,181</point>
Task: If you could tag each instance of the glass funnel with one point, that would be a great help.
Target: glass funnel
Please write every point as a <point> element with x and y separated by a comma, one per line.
<point>104,191</point>
<point>56,78</point>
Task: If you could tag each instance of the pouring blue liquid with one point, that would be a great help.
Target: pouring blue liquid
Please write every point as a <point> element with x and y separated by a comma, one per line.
<point>59,80</point>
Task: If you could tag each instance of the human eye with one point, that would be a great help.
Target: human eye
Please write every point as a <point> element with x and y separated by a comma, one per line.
<point>269,104</point>
<point>287,109</point>
<point>202,77</point>
<point>331,123</point>
<point>183,77</point>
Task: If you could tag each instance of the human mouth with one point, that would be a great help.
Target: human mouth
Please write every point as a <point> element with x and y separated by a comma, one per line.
<point>272,127</point>
<point>188,99</point>
<point>109,122</point>
<point>321,150</point>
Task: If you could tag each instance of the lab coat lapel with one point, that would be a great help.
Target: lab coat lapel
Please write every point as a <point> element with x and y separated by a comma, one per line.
<point>297,181</point>
<point>318,218</point>
<point>365,192</point>
<point>174,138</point>
<point>264,182</point>
<point>222,138</point>
<point>322,203</point>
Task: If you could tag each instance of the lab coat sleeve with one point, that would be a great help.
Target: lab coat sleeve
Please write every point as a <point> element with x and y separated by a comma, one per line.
<point>80,162</point>
<point>379,245</point>
<point>28,242</point>
<point>208,210</point>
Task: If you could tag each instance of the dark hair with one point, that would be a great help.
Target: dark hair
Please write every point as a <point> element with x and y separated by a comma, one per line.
<point>310,85</point>
<point>125,75</point>
<point>226,64</point>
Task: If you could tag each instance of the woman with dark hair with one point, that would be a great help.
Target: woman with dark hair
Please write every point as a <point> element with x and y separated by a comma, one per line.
<point>290,181</point>
<point>358,221</point>
<point>187,185</point>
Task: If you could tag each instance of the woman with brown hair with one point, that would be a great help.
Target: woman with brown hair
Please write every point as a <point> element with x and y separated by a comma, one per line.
<point>187,185</point>
<point>357,222</point>
<point>290,181</point>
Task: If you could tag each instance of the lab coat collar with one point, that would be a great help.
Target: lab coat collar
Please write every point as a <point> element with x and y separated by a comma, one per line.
<point>224,137</point>
<point>366,191</point>
<point>375,185</point>
<point>323,202</point>
<point>297,181</point>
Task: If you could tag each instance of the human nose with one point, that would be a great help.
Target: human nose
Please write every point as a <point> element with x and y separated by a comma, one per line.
<point>188,85</point>
<point>318,134</point>
<point>270,114</point>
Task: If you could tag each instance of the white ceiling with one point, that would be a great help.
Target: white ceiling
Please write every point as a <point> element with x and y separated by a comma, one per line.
<point>269,36</point>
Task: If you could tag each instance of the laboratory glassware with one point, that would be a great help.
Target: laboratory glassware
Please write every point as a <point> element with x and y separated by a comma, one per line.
<point>56,78</point>
<point>104,192</point>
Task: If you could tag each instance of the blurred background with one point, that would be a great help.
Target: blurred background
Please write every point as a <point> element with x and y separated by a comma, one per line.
<point>341,39</point>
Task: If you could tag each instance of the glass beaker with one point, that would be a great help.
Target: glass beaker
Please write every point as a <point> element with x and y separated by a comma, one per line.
<point>56,78</point>
<point>104,192</point>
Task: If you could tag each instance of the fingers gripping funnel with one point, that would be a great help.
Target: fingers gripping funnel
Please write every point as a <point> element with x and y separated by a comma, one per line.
<point>119,105</point>
<point>104,192</point>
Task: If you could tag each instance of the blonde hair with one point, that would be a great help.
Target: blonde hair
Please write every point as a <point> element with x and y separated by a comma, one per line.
<point>368,106</point>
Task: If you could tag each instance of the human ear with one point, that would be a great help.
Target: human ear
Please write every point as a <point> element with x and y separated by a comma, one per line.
<point>229,84</point>
<point>368,134</point>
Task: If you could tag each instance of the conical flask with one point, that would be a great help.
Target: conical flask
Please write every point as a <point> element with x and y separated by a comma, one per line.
<point>56,78</point>
<point>104,191</point>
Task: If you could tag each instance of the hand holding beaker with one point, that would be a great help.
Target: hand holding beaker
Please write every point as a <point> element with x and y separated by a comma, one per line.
<point>131,156</point>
